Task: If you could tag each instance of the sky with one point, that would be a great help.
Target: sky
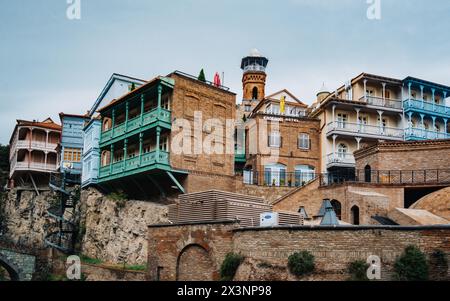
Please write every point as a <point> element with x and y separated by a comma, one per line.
<point>50,63</point>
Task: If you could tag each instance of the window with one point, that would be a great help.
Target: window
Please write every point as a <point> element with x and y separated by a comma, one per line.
<point>72,155</point>
<point>273,109</point>
<point>275,139</point>
<point>304,142</point>
<point>164,144</point>
<point>248,108</point>
<point>342,120</point>
<point>255,93</point>
<point>165,102</point>
<point>342,151</point>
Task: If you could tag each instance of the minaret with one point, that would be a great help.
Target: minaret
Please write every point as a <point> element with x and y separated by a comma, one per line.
<point>254,77</point>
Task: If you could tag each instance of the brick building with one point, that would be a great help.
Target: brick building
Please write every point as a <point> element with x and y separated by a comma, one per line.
<point>138,130</point>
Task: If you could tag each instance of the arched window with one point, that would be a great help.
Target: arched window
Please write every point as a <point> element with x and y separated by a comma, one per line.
<point>255,93</point>
<point>275,175</point>
<point>355,215</point>
<point>368,174</point>
<point>337,208</point>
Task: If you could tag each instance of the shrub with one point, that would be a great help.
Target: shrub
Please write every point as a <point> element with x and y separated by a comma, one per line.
<point>88,260</point>
<point>440,258</point>
<point>358,270</point>
<point>230,265</point>
<point>412,265</point>
<point>301,263</point>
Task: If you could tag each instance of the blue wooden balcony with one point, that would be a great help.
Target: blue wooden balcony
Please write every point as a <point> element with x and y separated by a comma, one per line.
<point>426,107</point>
<point>414,134</point>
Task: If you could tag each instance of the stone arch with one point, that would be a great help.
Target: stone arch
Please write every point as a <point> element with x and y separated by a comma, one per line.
<point>337,207</point>
<point>354,215</point>
<point>12,270</point>
<point>194,263</point>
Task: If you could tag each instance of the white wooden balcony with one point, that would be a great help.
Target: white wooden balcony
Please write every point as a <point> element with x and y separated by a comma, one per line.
<point>364,131</point>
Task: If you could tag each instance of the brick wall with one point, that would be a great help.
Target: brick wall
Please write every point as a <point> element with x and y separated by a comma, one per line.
<point>190,96</point>
<point>334,248</point>
<point>370,199</point>
<point>405,156</point>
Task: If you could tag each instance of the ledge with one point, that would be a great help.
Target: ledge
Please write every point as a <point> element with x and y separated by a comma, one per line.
<point>202,223</point>
<point>338,228</point>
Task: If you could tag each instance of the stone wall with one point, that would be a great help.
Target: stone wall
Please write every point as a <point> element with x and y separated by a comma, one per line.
<point>115,231</point>
<point>25,217</point>
<point>371,199</point>
<point>193,252</point>
<point>419,155</point>
<point>266,250</point>
<point>269,194</point>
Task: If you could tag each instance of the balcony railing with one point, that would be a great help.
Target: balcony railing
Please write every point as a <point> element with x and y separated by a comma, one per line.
<point>388,177</point>
<point>135,163</point>
<point>340,159</point>
<point>427,106</point>
<point>277,179</point>
<point>33,165</point>
<point>382,102</point>
<point>417,133</point>
<point>148,118</point>
<point>365,130</point>
<point>35,144</point>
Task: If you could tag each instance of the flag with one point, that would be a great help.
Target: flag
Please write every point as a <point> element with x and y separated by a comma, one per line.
<point>283,104</point>
<point>217,82</point>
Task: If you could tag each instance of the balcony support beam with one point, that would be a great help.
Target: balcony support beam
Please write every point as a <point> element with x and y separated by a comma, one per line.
<point>158,139</point>
<point>384,92</point>
<point>365,90</point>
<point>334,115</point>
<point>113,122</point>
<point>433,98</point>
<point>127,108</point>
<point>160,88</point>
<point>125,152</point>
<point>171,176</point>
<point>445,125</point>
<point>111,158</point>
<point>409,93</point>
<point>380,113</point>
<point>334,146</point>
<point>422,121</point>
<point>141,138</point>
<point>358,143</point>
<point>142,107</point>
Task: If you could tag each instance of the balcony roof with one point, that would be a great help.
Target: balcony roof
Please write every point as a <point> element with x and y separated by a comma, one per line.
<point>426,83</point>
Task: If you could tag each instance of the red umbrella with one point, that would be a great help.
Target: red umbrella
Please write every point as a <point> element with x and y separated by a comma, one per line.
<point>217,80</point>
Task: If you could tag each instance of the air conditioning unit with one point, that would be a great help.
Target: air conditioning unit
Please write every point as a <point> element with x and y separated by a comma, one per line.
<point>269,219</point>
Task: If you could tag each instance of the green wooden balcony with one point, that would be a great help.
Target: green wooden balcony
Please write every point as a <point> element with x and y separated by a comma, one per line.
<point>138,164</point>
<point>147,120</point>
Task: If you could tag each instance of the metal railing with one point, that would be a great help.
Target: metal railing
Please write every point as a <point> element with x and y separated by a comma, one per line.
<point>277,179</point>
<point>387,177</point>
<point>206,81</point>
<point>365,129</point>
<point>382,102</point>
<point>425,134</point>
<point>426,106</point>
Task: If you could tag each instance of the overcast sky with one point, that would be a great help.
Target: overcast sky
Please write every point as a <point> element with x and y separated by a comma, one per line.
<point>50,64</point>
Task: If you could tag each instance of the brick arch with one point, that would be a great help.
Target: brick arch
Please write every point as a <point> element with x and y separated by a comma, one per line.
<point>194,263</point>
<point>12,270</point>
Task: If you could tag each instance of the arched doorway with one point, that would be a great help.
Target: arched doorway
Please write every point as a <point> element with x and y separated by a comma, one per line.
<point>337,208</point>
<point>195,264</point>
<point>11,272</point>
<point>355,215</point>
<point>367,174</point>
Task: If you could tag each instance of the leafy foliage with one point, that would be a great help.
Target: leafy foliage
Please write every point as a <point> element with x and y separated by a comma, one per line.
<point>230,265</point>
<point>358,270</point>
<point>412,265</point>
<point>301,263</point>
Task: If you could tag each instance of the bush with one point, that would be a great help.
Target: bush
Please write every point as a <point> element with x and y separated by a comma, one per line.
<point>440,258</point>
<point>412,265</point>
<point>358,270</point>
<point>301,263</point>
<point>230,265</point>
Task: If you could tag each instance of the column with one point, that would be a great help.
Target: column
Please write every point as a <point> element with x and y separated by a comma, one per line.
<point>334,116</point>
<point>334,146</point>
<point>434,125</point>
<point>380,113</point>
<point>445,125</point>
<point>31,137</point>
<point>384,92</point>
<point>409,94</point>
<point>421,96</point>
<point>45,160</point>
<point>113,122</point>
<point>111,158</point>
<point>46,140</point>
<point>125,152</point>
<point>365,90</point>
<point>358,143</point>
<point>358,123</point>
<point>142,108</point>
<point>141,144</point>
<point>159,95</point>
<point>127,107</point>
<point>422,125</point>
<point>433,98</point>
<point>444,102</point>
<point>158,138</point>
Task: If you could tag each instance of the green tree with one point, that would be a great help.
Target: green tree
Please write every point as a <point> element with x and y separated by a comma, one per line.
<point>230,265</point>
<point>412,265</point>
<point>301,263</point>
<point>201,76</point>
